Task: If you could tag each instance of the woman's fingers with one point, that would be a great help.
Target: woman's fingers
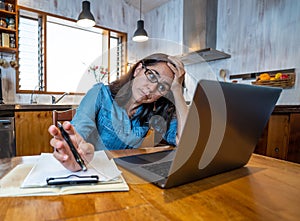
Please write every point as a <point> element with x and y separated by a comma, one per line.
<point>67,161</point>
<point>86,151</point>
<point>62,151</point>
<point>179,67</point>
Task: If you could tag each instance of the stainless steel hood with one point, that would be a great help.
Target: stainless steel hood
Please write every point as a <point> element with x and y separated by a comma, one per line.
<point>200,32</point>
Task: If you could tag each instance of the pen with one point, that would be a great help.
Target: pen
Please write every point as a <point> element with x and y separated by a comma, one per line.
<point>73,149</point>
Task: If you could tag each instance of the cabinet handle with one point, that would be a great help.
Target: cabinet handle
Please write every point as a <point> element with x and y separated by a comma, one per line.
<point>276,149</point>
<point>5,122</point>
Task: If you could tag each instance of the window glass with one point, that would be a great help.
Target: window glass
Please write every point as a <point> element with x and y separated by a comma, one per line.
<point>28,53</point>
<point>114,58</point>
<point>56,55</point>
<point>69,55</point>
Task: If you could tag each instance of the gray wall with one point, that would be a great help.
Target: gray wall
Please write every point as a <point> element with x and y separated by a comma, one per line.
<point>260,35</point>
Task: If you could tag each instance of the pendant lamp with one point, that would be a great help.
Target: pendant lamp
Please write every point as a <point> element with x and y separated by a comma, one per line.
<point>86,18</point>
<point>140,34</point>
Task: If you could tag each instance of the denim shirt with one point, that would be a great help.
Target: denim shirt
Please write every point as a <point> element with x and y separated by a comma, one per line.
<point>102,122</point>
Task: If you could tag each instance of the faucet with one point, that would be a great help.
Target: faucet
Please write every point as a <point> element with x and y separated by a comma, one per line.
<point>32,100</point>
<point>54,101</point>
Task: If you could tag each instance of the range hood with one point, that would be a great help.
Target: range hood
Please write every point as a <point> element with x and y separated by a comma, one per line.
<point>200,32</point>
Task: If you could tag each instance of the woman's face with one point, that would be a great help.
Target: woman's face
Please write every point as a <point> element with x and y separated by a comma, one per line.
<point>151,82</point>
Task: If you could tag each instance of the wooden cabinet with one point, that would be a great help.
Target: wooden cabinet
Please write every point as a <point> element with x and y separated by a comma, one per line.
<point>281,137</point>
<point>278,136</point>
<point>8,26</point>
<point>293,153</point>
<point>32,137</point>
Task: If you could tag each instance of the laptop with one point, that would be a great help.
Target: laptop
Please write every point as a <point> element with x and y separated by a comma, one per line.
<point>224,123</point>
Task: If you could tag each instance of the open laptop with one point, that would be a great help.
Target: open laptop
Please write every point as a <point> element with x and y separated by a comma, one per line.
<point>224,123</point>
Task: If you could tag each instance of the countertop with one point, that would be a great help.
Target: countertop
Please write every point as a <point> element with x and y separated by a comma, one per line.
<point>21,107</point>
<point>287,109</point>
<point>24,107</point>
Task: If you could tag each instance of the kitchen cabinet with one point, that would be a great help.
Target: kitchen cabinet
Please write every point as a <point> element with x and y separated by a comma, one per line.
<point>8,26</point>
<point>293,153</point>
<point>32,137</point>
<point>281,137</point>
<point>278,136</point>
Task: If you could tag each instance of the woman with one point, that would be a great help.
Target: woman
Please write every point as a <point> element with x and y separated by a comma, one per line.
<point>119,115</point>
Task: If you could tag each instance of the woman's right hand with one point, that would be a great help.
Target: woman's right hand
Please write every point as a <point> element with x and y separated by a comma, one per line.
<point>62,151</point>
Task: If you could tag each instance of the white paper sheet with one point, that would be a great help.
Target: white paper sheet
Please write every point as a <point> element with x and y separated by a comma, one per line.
<point>47,166</point>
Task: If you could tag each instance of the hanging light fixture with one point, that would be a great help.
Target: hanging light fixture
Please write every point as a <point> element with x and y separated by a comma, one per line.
<point>86,18</point>
<point>140,34</point>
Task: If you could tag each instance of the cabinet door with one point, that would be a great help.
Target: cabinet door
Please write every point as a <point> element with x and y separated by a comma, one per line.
<point>261,146</point>
<point>32,137</point>
<point>294,140</point>
<point>278,136</point>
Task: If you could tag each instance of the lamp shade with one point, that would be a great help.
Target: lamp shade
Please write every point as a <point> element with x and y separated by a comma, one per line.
<point>86,18</point>
<point>140,34</point>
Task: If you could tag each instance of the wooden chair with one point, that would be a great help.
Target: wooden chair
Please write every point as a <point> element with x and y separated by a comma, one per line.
<point>62,116</point>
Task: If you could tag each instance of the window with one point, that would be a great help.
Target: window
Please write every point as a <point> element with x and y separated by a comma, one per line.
<point>55,55</point>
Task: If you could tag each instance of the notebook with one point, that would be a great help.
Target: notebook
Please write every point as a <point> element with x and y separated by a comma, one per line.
<point>29,179</point>
<point>224,123</point>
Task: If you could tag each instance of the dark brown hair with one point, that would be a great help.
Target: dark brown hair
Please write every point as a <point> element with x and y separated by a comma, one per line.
<point>164,106</point>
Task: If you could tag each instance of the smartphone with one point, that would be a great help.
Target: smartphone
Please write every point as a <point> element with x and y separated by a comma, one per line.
<point>76,155</point>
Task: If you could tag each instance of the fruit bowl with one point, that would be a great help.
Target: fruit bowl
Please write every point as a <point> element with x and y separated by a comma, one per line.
<point>287,82</point>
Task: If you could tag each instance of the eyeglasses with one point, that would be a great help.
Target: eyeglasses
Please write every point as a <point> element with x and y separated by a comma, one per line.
<point>162,88</point>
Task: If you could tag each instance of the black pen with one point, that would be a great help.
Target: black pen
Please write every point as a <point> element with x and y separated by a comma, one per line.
<point>73,149</point>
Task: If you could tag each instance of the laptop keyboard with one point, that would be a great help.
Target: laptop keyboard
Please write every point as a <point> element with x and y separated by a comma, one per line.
<point>161,169</point>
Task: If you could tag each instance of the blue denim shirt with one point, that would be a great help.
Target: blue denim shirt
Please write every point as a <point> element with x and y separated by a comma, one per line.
<point>102,122</point>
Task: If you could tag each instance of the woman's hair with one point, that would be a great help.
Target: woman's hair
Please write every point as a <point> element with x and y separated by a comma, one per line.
<point>164,106</point>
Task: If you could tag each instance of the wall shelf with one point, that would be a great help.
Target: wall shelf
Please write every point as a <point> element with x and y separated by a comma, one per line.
<point>9,34</point>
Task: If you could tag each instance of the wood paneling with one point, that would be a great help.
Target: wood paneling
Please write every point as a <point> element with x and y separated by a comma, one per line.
<point>32,135</point>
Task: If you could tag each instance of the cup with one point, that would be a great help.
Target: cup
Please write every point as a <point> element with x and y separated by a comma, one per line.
<point>13,63</point>
<point>2,61</point>
<point>5,64</point>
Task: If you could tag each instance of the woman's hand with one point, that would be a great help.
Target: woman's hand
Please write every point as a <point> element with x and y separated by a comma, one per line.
<point>179,72</point>
<point>62,151</point>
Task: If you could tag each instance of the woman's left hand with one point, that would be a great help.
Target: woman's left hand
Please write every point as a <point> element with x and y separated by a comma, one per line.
<point>179,72</point>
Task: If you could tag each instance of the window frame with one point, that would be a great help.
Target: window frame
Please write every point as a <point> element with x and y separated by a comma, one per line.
<point>43,15</point>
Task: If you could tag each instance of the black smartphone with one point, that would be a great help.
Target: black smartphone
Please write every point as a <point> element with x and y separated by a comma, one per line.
<point>76,155</point>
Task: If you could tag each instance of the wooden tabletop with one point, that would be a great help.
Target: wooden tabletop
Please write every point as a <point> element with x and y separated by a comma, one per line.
<point>265,189</point>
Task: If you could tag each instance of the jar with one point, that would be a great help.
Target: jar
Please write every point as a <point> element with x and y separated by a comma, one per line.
<point>11,23</point>
<point>2,5</point>
<point>3,23</point>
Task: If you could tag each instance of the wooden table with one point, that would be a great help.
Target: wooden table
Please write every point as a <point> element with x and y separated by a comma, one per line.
<point>266,189</point>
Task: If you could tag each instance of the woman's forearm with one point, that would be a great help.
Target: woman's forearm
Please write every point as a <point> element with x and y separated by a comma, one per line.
<point>181,112</point>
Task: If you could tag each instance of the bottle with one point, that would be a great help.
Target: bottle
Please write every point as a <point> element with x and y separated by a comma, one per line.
<point>12,41</point>
<point>10,7</point>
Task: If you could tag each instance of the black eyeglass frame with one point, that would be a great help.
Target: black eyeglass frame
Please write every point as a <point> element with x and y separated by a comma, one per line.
<point>154,80</point>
